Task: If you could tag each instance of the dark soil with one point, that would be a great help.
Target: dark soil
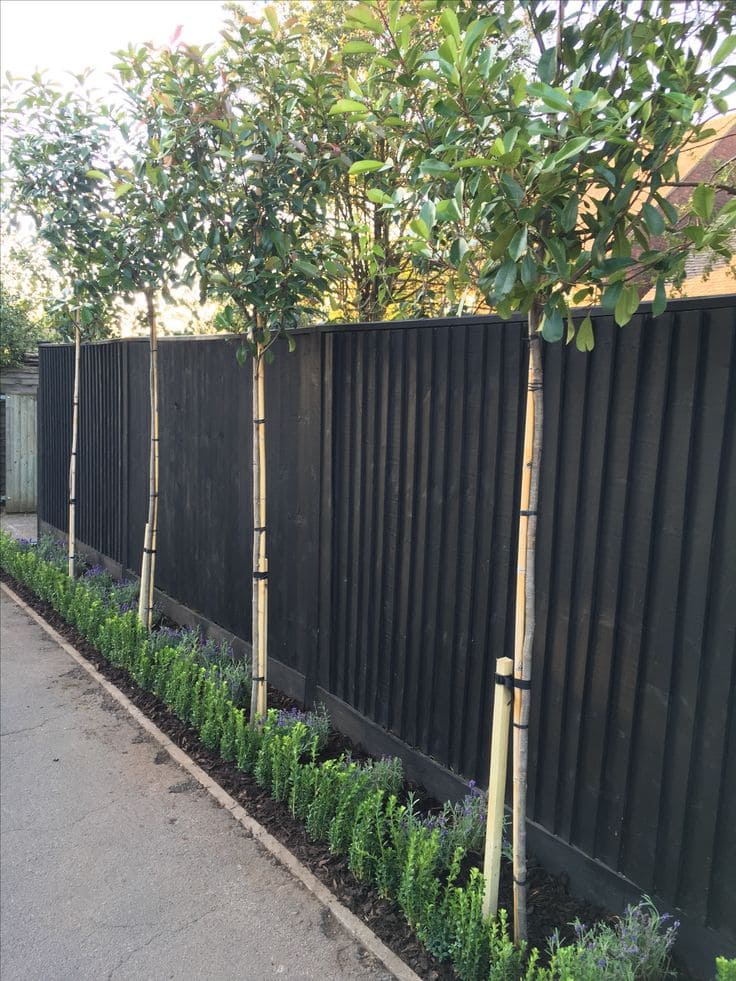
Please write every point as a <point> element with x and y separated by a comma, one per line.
<point>550,905</point>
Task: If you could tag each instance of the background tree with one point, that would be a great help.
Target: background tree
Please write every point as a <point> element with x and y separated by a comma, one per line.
<point>18,333</point>
<point>54,138</point>
<point>254,182</point>
<point>551,191</point>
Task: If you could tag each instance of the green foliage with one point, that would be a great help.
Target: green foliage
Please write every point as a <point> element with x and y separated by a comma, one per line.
<point>420,885</point>
<point>379,843</point>
<point>18,333</point>
<point>552,188</point>
<point>230,145</point>
<point>55,136</point>
<point>725,969</point>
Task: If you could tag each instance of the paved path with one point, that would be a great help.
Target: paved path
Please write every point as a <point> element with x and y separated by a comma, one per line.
<point>20,525</point>
<point>117,866</point>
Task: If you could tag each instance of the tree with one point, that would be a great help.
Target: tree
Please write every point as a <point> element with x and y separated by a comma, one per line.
<point>552,190</point>
<point>55,138</point>
<point>146,249</point>
<point>383,279</point>
<point>254,181</point>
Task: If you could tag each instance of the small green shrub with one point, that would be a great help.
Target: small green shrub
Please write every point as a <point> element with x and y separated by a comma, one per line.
<point>327,797</point>
<point>725,969</point>
<point>419,884</point>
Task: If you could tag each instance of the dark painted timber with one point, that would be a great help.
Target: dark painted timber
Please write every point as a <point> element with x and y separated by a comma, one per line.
<point>393,467</point>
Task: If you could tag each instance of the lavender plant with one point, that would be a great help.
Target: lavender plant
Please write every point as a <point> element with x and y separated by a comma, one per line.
<point>317,722</point>
<point>635,947</point>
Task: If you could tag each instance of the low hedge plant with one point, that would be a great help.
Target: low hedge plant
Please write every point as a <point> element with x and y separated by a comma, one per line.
<point>356,808</point>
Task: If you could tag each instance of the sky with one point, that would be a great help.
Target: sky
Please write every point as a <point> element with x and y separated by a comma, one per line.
<point>70,35</point>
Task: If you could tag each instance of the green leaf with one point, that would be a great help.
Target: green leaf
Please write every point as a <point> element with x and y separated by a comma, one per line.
<point>435,168</point>
<point>97,174</point>
<point>365,18</point>
<point>572,149</point>
<point>419,227</point>
<point>458,250</point>
<point>553,326</point>
<point>611,295</point>
<point>501,243</point>
<point>528,270</point>
<point>427,213</point>
<point>514,190</point>
<point>475,32</point>
<point>449,24</point>
<point>121,189</point>
<point>358,47</point>
<point>308,268</point>
<point>366,166</point>
<point>379,197</point>
<point>272,18</point>
<point>724,50</point>
<point>547,65</point>
<point>347,105</point>
<point>569,216</point>
<point>448,210</point>
<point>477,162</point>
<point>554,99</point>
<point>626,305</point>
<point>517,246</point>
<point>505,278</point>
<point>660,298</point>
<point>584,339</point>
<point>653,219</point>
<point>704,198</point>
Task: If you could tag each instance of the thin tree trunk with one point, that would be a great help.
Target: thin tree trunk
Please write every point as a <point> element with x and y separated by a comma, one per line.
<point>71,551</point>
<point>525,613</point>
<point>259,669</point>
<point>148,562</point>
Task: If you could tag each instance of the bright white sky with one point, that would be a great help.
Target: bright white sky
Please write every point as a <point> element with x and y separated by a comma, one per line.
<point>70,35</point>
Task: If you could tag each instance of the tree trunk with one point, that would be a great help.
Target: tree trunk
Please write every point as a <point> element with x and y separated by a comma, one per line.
<point>259,668</point>
<point>148,562</point>
<point>525,612</point>
<point>71,551</point>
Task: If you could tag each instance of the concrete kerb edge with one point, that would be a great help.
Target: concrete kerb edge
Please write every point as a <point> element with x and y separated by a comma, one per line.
<point>354,926</point>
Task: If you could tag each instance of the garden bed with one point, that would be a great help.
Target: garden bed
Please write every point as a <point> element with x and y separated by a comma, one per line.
<point>551,908</point>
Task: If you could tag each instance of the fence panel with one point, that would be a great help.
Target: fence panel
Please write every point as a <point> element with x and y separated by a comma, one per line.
<point>393,468</point>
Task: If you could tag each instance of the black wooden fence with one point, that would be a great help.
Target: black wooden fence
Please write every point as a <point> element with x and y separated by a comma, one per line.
<point>393,466</point>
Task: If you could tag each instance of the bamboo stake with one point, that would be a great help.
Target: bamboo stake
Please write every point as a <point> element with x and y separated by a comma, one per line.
<point>155,447</point>
<point>502,700</point>
<point>256,667</point>
<point>525,615</point>
<point>263,560</point>
<point>145,574</point>
<point>71,550</point>
<point>146,587</point>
